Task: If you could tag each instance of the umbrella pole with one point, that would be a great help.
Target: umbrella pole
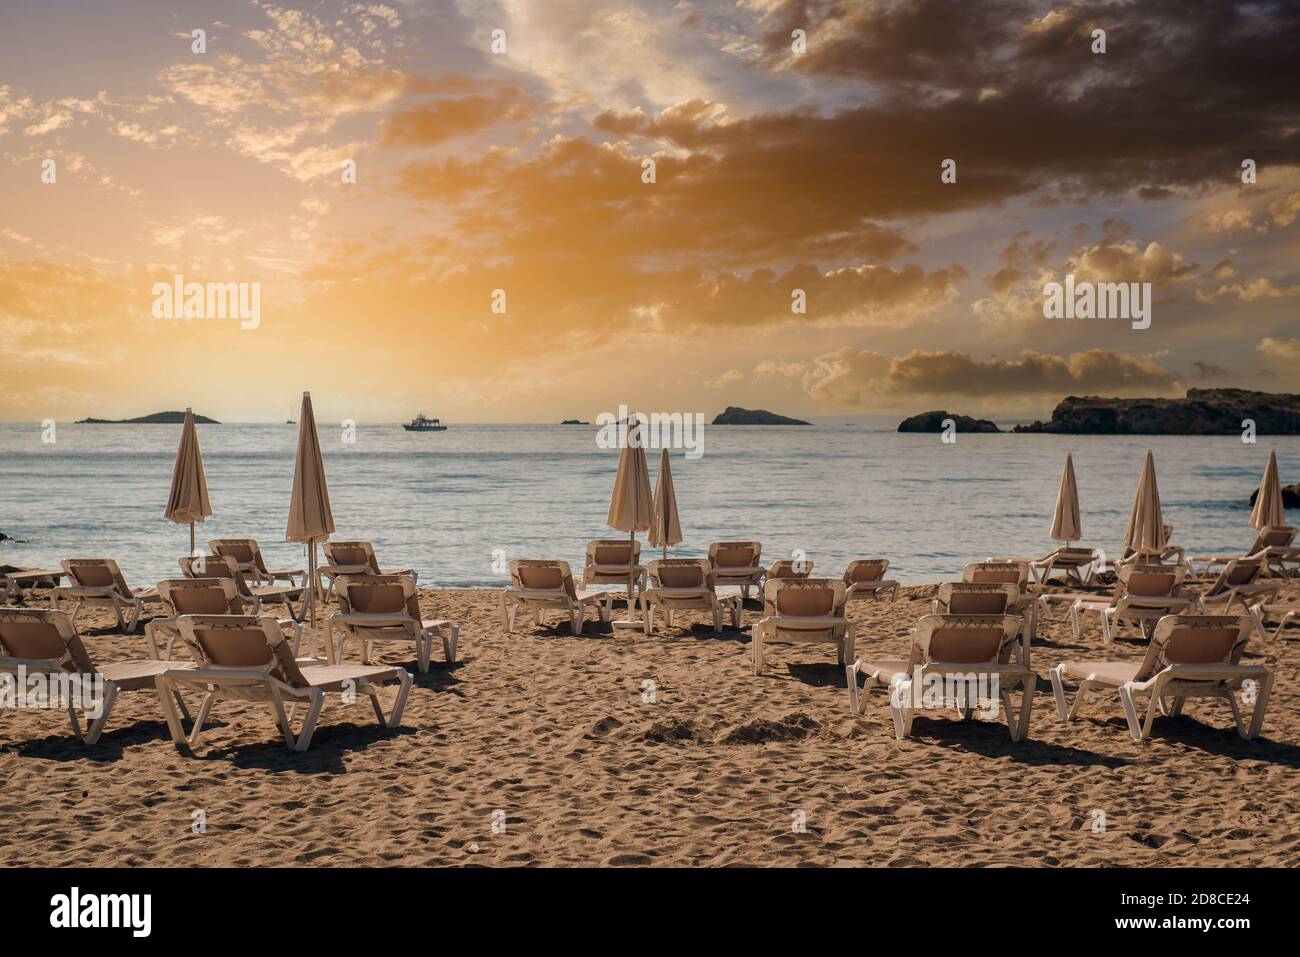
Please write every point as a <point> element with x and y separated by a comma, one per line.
<point>191,539</point>
<point>311,593</point>
<point>631,573</point>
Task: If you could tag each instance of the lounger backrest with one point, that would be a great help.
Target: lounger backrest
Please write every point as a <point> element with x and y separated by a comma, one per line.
<point>97,573</point>
<point>542,574</point>
<point>613,551</point>
<point>216,566</point>
<point>1149,581</point>
<point>378,595</point>
<point>43,635</point>
<point>200,596</point>
<point>964,639</point>
<point>1275,536</point>
<point>679,573</point>
<point>242,550</point>
<point>352,553</point>
<point>1195,640</point>
<point>241,641</point>
<point>790,568</point>
<point>866,570</point>
<point>735,554</point>
<point>1016,573</point>
<point>804,597</point>
<point>1240,571</point>
<point>977,598</point>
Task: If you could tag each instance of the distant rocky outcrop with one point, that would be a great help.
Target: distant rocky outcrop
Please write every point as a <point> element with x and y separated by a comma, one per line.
<point>158,418</point>
<point>1290,496</point>
<point>734,415</point>
<point>933,422</point>
<point>574,422</point>
<point>1202,412</point>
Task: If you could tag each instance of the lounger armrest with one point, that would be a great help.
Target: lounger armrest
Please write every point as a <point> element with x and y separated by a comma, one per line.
<point>804,622</point>
<point>373,619</point>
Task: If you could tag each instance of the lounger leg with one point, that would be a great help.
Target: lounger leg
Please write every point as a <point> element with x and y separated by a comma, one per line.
<point>180,703</point>
<point>373,694</point>
<point>1018,721</point>
<point>309,722</point>
<point>851,680</point>
<point>96,727</point>
<point>1261,706</point>
<point>282,719</point>
<point>205,708</point>
<point>399,703</point>
<point>1074,619</point>
<point>576,619</point>
<point>756,646</point>
<point>1106,635</point>
<point>1058,692</point>
<point>717,618</point>
<point>450,638</point>
<point>849,646</point>
<point>426,651</point>
<point>165,692</point>
<point>900,706</point>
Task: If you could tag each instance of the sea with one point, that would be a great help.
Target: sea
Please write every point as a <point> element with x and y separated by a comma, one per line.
<point>456,505</point>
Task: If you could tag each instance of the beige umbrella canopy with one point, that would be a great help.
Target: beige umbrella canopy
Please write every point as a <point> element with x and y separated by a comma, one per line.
<point>1145,533</point>
<point>310,517</point>
<point>1268,502</point>
<point>188,502</point>
<point>631,509</point>
<point>1066,526</point>
<point>667,527</point>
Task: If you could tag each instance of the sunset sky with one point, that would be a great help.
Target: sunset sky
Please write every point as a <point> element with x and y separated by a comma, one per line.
<point>522,171</point>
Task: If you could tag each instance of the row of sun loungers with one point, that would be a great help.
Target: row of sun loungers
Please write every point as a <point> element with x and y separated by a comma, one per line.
<point>981,626</point>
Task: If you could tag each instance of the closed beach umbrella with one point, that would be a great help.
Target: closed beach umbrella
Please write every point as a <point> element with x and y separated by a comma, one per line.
<point>1066,526</point>
<point>631,509</point>
<point>1268,501</point>
<point>667,528</point>
<point>188,502</point>
<point>310,518</point>
<point>1146,528</point>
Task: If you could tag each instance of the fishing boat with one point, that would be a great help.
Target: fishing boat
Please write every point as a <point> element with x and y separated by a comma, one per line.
<point>422,423</point>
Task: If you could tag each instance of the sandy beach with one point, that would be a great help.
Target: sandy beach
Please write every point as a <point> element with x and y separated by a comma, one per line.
<point>542,748</point>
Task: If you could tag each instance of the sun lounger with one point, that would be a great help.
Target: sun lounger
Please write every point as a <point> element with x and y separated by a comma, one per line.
<point>683,584</point>
<point>1239,581</point>
<point>541,586</point>
<point>353,558</point>
<point>865,579</point>
<point>1143,593</point>
<point>45,641</point>
<point>248,556</point>
<point>1189,656</point>
<point>247,658</point>
<point>1169,555</point>
<point>1012,570</point>
<point>1076,563</point>
<point>984,598</point>
<point>790,568</point>
<point>737,564</point>
<point>955,650</point>
<point>612,561</point>
<point>804,610</point>
<point>98,581</point>
<point>1275,544</point>
<point>217,566</point>
<point>1261,613</point>
<point>377,607</point>
<point>205,596</point>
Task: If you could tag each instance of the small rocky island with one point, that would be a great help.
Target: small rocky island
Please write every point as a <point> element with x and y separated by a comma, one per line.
<point>158,418</point>
<point>933,422</point>
<point>734,415</point>
<point>574,422</point>
<point>1202,412</point>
